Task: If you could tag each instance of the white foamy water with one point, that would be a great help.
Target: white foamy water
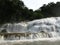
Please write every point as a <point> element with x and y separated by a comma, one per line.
<point>37,30</point>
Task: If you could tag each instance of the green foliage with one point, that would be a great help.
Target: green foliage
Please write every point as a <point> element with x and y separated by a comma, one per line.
<point>15,11</point>
<point>51,10</point>
<point>10,10</point>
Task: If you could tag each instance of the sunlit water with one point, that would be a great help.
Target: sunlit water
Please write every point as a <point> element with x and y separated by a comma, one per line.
<point>43,32</point>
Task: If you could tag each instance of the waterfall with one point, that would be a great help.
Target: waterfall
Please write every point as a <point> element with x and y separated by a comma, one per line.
<point>41,28</point>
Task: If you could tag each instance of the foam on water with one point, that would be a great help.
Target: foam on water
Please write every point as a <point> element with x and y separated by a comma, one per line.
<point>31,40</point>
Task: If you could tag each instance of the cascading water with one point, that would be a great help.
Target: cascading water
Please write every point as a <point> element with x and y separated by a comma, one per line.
<point>48,26</point>
<point>42,29</point>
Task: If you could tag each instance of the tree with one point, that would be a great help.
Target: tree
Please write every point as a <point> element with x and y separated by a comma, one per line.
<point>11,10</point>
<point>48,10</point>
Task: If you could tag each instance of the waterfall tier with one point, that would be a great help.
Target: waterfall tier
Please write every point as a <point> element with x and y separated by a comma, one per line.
<point>42,28</point>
